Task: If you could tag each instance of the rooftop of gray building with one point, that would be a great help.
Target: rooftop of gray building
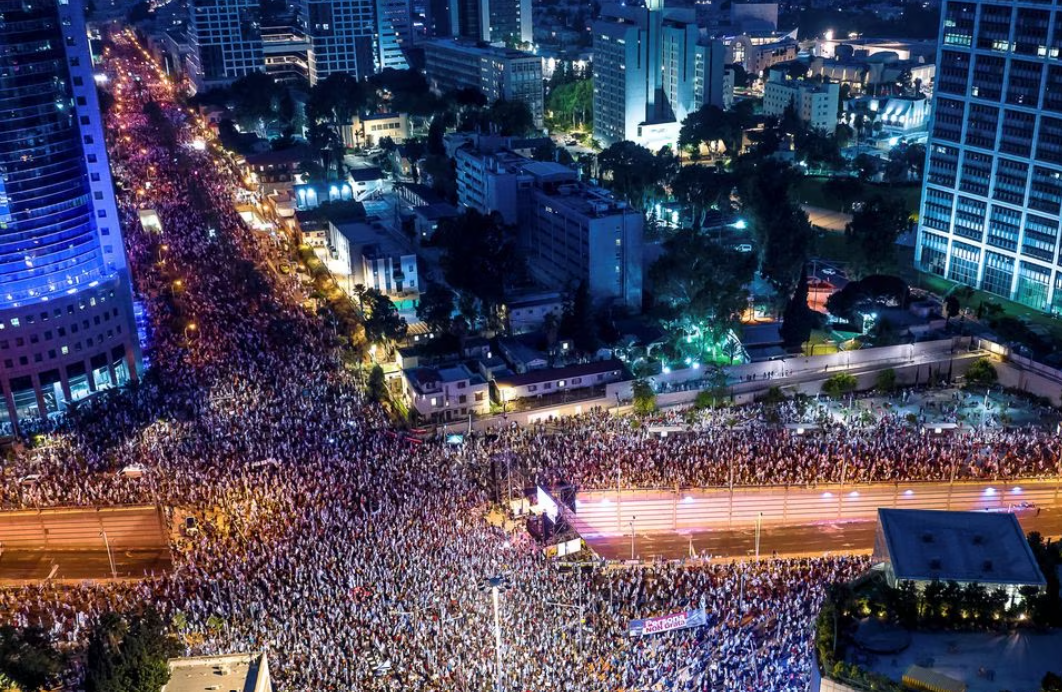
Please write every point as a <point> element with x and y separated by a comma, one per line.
<point>983,547</point>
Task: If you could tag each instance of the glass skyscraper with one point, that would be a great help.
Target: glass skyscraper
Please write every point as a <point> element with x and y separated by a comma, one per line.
<point>66,318</point>
<point>992,194</point>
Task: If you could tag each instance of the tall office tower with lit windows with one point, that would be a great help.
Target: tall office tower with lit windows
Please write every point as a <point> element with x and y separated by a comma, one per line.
<point>66,315</point>
<point>490,21</point>
<point>343,37</point>
<point>992,196</point>
<point>226,41</point>
<point>394,32</point>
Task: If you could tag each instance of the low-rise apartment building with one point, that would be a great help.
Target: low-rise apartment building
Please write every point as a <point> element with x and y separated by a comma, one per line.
<point>815,103</point>
<point>446,394</point>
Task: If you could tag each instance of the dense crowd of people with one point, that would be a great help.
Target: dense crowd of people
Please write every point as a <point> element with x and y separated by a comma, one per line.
<point>725,448</point>
<point>355,558</point>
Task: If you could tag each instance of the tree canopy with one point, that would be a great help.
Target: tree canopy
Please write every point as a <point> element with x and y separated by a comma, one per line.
<point>382,321</point>
<point>799,319</point>
<point>436,307</point>
<point>874,230</point>
<point>28,658</point>
<point>781,227</point>
<point>507,118</point>
<point>479,256</point>
<point>699,288</point>
<point>701,189</point>
<point>871,292</point>
<point>634,173</point>
<point>129,654</point>
<point>571,106</point>
<point>712,124</point>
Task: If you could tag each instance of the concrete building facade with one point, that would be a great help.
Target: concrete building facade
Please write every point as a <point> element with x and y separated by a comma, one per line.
<point>992,194</point>
<point>651,69</point>
<point>814,103</point>
<point>67,326</point>
<point>343,37</point>
<point>500,73</point>
<point>571,231</point>
<point>225,40</point>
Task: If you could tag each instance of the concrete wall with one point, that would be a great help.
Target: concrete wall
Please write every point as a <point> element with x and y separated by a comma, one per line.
<point>1025,374</point>
<point>127,527</point>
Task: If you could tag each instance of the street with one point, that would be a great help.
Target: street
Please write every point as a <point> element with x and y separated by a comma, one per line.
<point>78,565</point>
<point>786,541</point>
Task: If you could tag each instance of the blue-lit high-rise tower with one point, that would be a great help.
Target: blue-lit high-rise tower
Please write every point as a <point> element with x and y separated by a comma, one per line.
<point>992,196</point>
<point>66,318</point>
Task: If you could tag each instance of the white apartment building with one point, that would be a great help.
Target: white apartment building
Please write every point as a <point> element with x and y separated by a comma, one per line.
<point>651,70</point>
<point>446,394</point>
<point>359,253</point>
<point>815,104</point>
<point>570,231</point>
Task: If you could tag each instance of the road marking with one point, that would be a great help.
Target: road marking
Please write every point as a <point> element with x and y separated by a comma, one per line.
<point>51,575</point>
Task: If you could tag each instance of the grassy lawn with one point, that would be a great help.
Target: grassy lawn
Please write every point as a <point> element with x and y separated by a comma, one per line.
<point>808,190</point>
<point>1039,321</point>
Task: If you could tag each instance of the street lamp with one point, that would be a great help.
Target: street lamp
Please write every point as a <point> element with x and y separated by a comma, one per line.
<point>632,536</point>
<point>496,585</point>
<point>189,328</point>
<point>110,556</point>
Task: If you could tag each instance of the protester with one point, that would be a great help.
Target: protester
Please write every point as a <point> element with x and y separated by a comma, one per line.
<point>357,558</point>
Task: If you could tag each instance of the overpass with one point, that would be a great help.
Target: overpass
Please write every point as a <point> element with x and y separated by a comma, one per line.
<point>601,513</point>
<point>79,543</point>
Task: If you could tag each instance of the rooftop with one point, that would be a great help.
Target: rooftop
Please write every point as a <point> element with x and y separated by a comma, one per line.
<point>290,155</point>
<point>983,547</point>
<point>429,379</point>
<point>477,49</point>
<point>381,116</point>
<point>1017,660</point>
<point>230,673</point>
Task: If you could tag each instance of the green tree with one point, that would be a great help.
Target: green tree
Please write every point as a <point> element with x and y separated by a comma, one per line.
<point>382,321</point>
<point>28,658</point>
<point>644,398</point>
<point>377,385</point>
<point>256,100</point>
<point>436,307</point>
<point>571,106</point>
<point>699,290</point>
<point>508,118</point>
<point>479,256</point>
<point>129,654</point>
<point>982,372</point>
<point>577,322</point>
<point>873,232</point>
<point>798,319</point>
<point>886,381</point>
<point>1051,682</point>
<point>839,384</point>
<point>404,91</point>
<point>700,189</point>
<point>632,172</point>
<point>951,308</point>
<point>781,227</point>
<point>866,166</point>
<point>711,125</point>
